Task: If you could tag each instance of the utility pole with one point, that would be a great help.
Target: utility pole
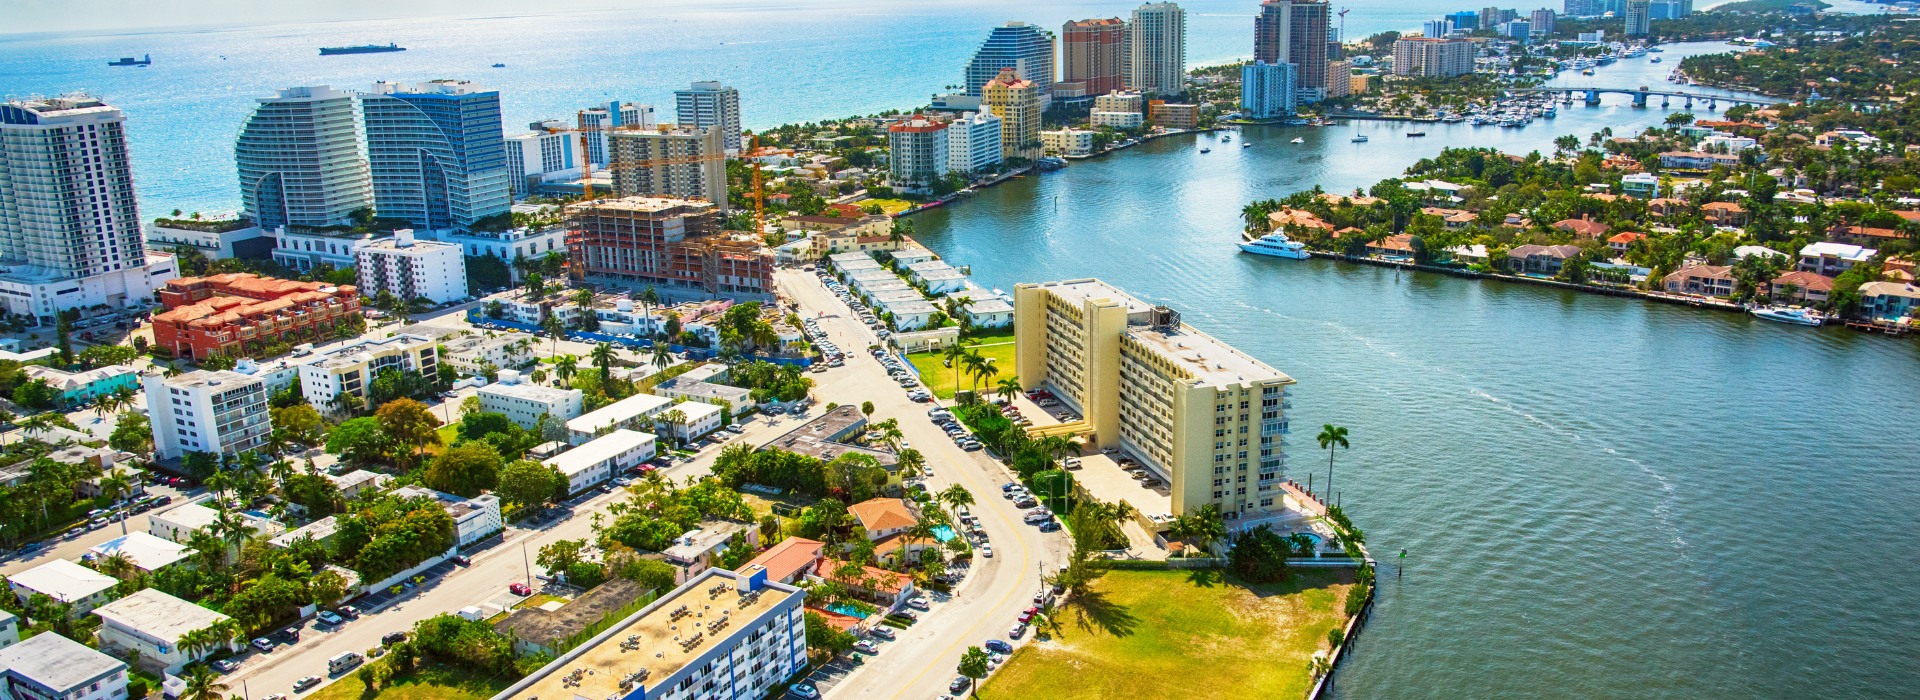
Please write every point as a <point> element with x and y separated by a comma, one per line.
<point>528,562</point>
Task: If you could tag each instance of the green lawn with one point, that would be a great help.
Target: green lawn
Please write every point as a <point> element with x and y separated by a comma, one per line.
<point>890,206</point>
<point>426,683</point>
<point>940,378</point>
<point>1181,634</point>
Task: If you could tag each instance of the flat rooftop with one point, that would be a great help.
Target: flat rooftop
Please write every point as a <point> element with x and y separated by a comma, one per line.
<point>159,615</point>
<point>1083,290</point>
<point>63,581</point>
<point>619,412</point>
<point>1209,361</point>
<point>655,640</point>
<point>598,450</point>
<point>57,662</point>
<point>145,551</point>
<point>648,205</point>
<point>202,379</point>
<point>530,392</point>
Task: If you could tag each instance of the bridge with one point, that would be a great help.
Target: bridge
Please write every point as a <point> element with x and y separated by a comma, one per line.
<point>1592,96</point>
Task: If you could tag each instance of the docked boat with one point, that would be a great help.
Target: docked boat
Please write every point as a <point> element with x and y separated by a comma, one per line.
<point>1360,139</point>
<point>499,65</point>
<point>1790,314</point>
<point>1297,139</point>
<point>1416,134</point>
<point>143,61</point>
<point>1588,71</point>
<point>1276,245</point>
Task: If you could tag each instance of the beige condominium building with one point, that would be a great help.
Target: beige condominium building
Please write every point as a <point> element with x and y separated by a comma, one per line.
<point>1204,416</point>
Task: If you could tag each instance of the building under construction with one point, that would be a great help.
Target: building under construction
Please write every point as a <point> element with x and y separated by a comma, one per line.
<point>668,242</point>
<point>668,160</point>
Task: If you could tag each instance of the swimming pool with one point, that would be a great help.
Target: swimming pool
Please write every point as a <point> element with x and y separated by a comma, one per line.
<point>943,533</point>
<point>848,609</point>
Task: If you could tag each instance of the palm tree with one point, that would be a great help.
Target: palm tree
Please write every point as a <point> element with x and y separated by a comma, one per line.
<point>203,684</point>
<point>912,463</point>
<point>1331,436</point>
<point>649,298</point>
<point>114,485</point>
<point>556,328</point>
<point>979,367</point>
<point>1008,387</point>
<point>662,356</point>
<point>954,355</point>
<point>603,358</point>
<point>673,419</point>
<point>1205,526</point>
<point>116,565</point>
<point>208,547</point>
<point>583,300</point>
<point>564,367</point>
<point>955,497</point>
<point>231,528</point>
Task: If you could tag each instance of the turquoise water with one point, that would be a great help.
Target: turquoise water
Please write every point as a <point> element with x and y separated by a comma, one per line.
<point>848,609</point>
<point>943,533</point>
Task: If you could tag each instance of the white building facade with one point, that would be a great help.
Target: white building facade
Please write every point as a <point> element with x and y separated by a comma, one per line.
<point>917,154</point>
<point>52,667</point>
<point>524,404</point>
<point>215,412</point>
<point>411,269</point>
<point>709,104</point>
<point>1157,49</point>
<point>973,142</point>
<point>1267,90</point>
<point>597,461</point>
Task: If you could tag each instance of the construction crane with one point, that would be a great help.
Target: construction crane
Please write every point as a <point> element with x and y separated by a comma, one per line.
<point>759,190</point>
<point>1343,26</point>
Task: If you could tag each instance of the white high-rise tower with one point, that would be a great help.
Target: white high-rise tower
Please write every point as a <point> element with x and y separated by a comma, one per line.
<point>299,159</point>
<point>710,105</point>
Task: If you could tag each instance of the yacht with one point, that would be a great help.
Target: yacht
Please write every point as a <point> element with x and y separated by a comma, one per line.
<point>1228,138</point>
<point>1416,134</point>
<point>1788,314</point>
<point>1656,59</point>
<point>1360,139</point>
<point>1206,150</point>
<point>1246,144</point>
<point>1277,245</point>
<point>1297,139</point>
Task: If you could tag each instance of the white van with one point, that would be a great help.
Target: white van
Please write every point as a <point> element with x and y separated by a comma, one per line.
<point>346,660</point>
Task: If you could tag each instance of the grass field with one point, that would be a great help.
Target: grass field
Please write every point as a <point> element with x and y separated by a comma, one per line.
<point>940,378</point>
<point>426,683</point>
<point>890,206</point>
<point>1181,634</point>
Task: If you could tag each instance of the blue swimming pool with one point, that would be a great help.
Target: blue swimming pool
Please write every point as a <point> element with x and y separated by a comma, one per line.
<point>848,609</point>
<point>943,533</point>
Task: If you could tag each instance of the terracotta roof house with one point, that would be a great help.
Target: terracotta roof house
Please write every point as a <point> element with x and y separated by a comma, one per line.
<point>883,516</point>
<point>1355,200</point>
<point>1896,262</point>
<point>910,546</point>
<point>1665,206</point>
<point>1701,280</point>
<point>1724,213</point>
<point>1800,285</point>
<point>1582,228</point>
<point>790,560</point>
<point>1540,259</point>
<point>1864,235</point>
<point>877,583</point>
<point>1620,242</point>
<point>1395,246</point>
<point>1279,220</point>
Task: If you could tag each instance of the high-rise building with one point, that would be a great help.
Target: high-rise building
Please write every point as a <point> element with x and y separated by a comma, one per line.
<point>1465,20</point>
<point>1339,79</point>
<point>1578,8</point>
<point>1093,55</point>
<point>674,161</point>
<point>70,230</point>
<point>1639,17</point>
<point>595,122</point>
<point>917,153</point>
<point>1295,31</point>
<point>213,412</point>
<point>299,159</point>
<point>536,153</point>
<point>437,152</point>
<point>1542,21</point>
<point>973,142</point>
<point>1438,27</point>
<point>1516,29</point>
<point>710,105</point>
<point>670,242</point>
<point>1267,90</point>
<point>1157,46</point>
<point>1432,58</point>
<point>1016,101</point>
<point>1204,416</point>
<point>1019,46</point>
<point>412,269</point>
<point>1494,16</point>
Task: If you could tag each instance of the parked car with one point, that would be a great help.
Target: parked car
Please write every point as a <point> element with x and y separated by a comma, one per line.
<point>918,603</point>
<point>520,589</point>
<point>305,683</point>
<point>995,645</point>
<point>263,644</point>
<point>393,638</point>
<point>1027,614</point>
<point>350,612</point>
<point>225,665</point>
<point>865,647</point>
<point>883,632</point>
<point>1018,629</point>
<point>328,617</point>
<point>462,560</point>
<point>804,690</point>
<point>959,685</point>
<point>986,550</point>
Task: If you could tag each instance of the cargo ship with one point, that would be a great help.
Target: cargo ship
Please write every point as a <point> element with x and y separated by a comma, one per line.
<point>369,48</point>
<point>143,61</point>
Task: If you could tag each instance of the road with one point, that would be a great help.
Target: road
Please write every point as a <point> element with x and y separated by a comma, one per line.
<point>922,660</point>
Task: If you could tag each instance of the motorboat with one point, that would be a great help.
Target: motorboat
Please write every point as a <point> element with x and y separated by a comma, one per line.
<point>1276,245</point>
<point>1297,139</point>
<point>1790,314</point>
<point>1206,150</point>
<point>1360,139</point>
<point>1416,134</point>
<point>1246,144</point>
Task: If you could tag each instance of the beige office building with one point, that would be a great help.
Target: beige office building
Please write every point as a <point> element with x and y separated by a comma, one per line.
<point>1016,101</point>
<point>1204,416</point>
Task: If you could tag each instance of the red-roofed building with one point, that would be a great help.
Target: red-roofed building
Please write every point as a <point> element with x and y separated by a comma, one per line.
<point>873,582</point>
<point>883,517</point>
<point>1801,285</point>
<point>1395,246</point>
<point>790,560</point>
<point>1582,228</point>
<point>1620,242</point>
<point>227,314</point>
<point>1724,213</point>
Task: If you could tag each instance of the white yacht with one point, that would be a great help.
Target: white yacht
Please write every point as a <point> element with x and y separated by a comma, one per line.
<point>1790,314</point>
<point>1277,245</point>
<point>1297,139</point>
<point>1362,138</point>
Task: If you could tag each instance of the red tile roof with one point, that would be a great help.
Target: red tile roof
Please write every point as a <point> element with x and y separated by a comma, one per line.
<point>791,556</point>
<point>883,514</point>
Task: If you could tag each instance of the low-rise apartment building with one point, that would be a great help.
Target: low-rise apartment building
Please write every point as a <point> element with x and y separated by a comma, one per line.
<point>144,551</point>
<point>473,353</point>
<point>636,411</point>
<point>350,369</point>
<point>524,403</point>
<point>695,420</point>
<point>1067,142</point>
<point>1831,259</point>
<point>304,249</point>
<point>83,387</point>
<point>1197,412</point>
<point>1695,160</point>
<point>215,412</point>
<point>720,636</point>
<point>474,519</point>
<point>152,623</point>
<point>64,582</point>
<point>595,462</point>
<point>177,524</point>
<point>51,667</point>
<point>231,314</point>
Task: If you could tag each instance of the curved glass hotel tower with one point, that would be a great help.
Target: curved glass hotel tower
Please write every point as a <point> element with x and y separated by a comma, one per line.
<point>1020,46</point>
<point>299,159</point>
<point>437,153</point>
